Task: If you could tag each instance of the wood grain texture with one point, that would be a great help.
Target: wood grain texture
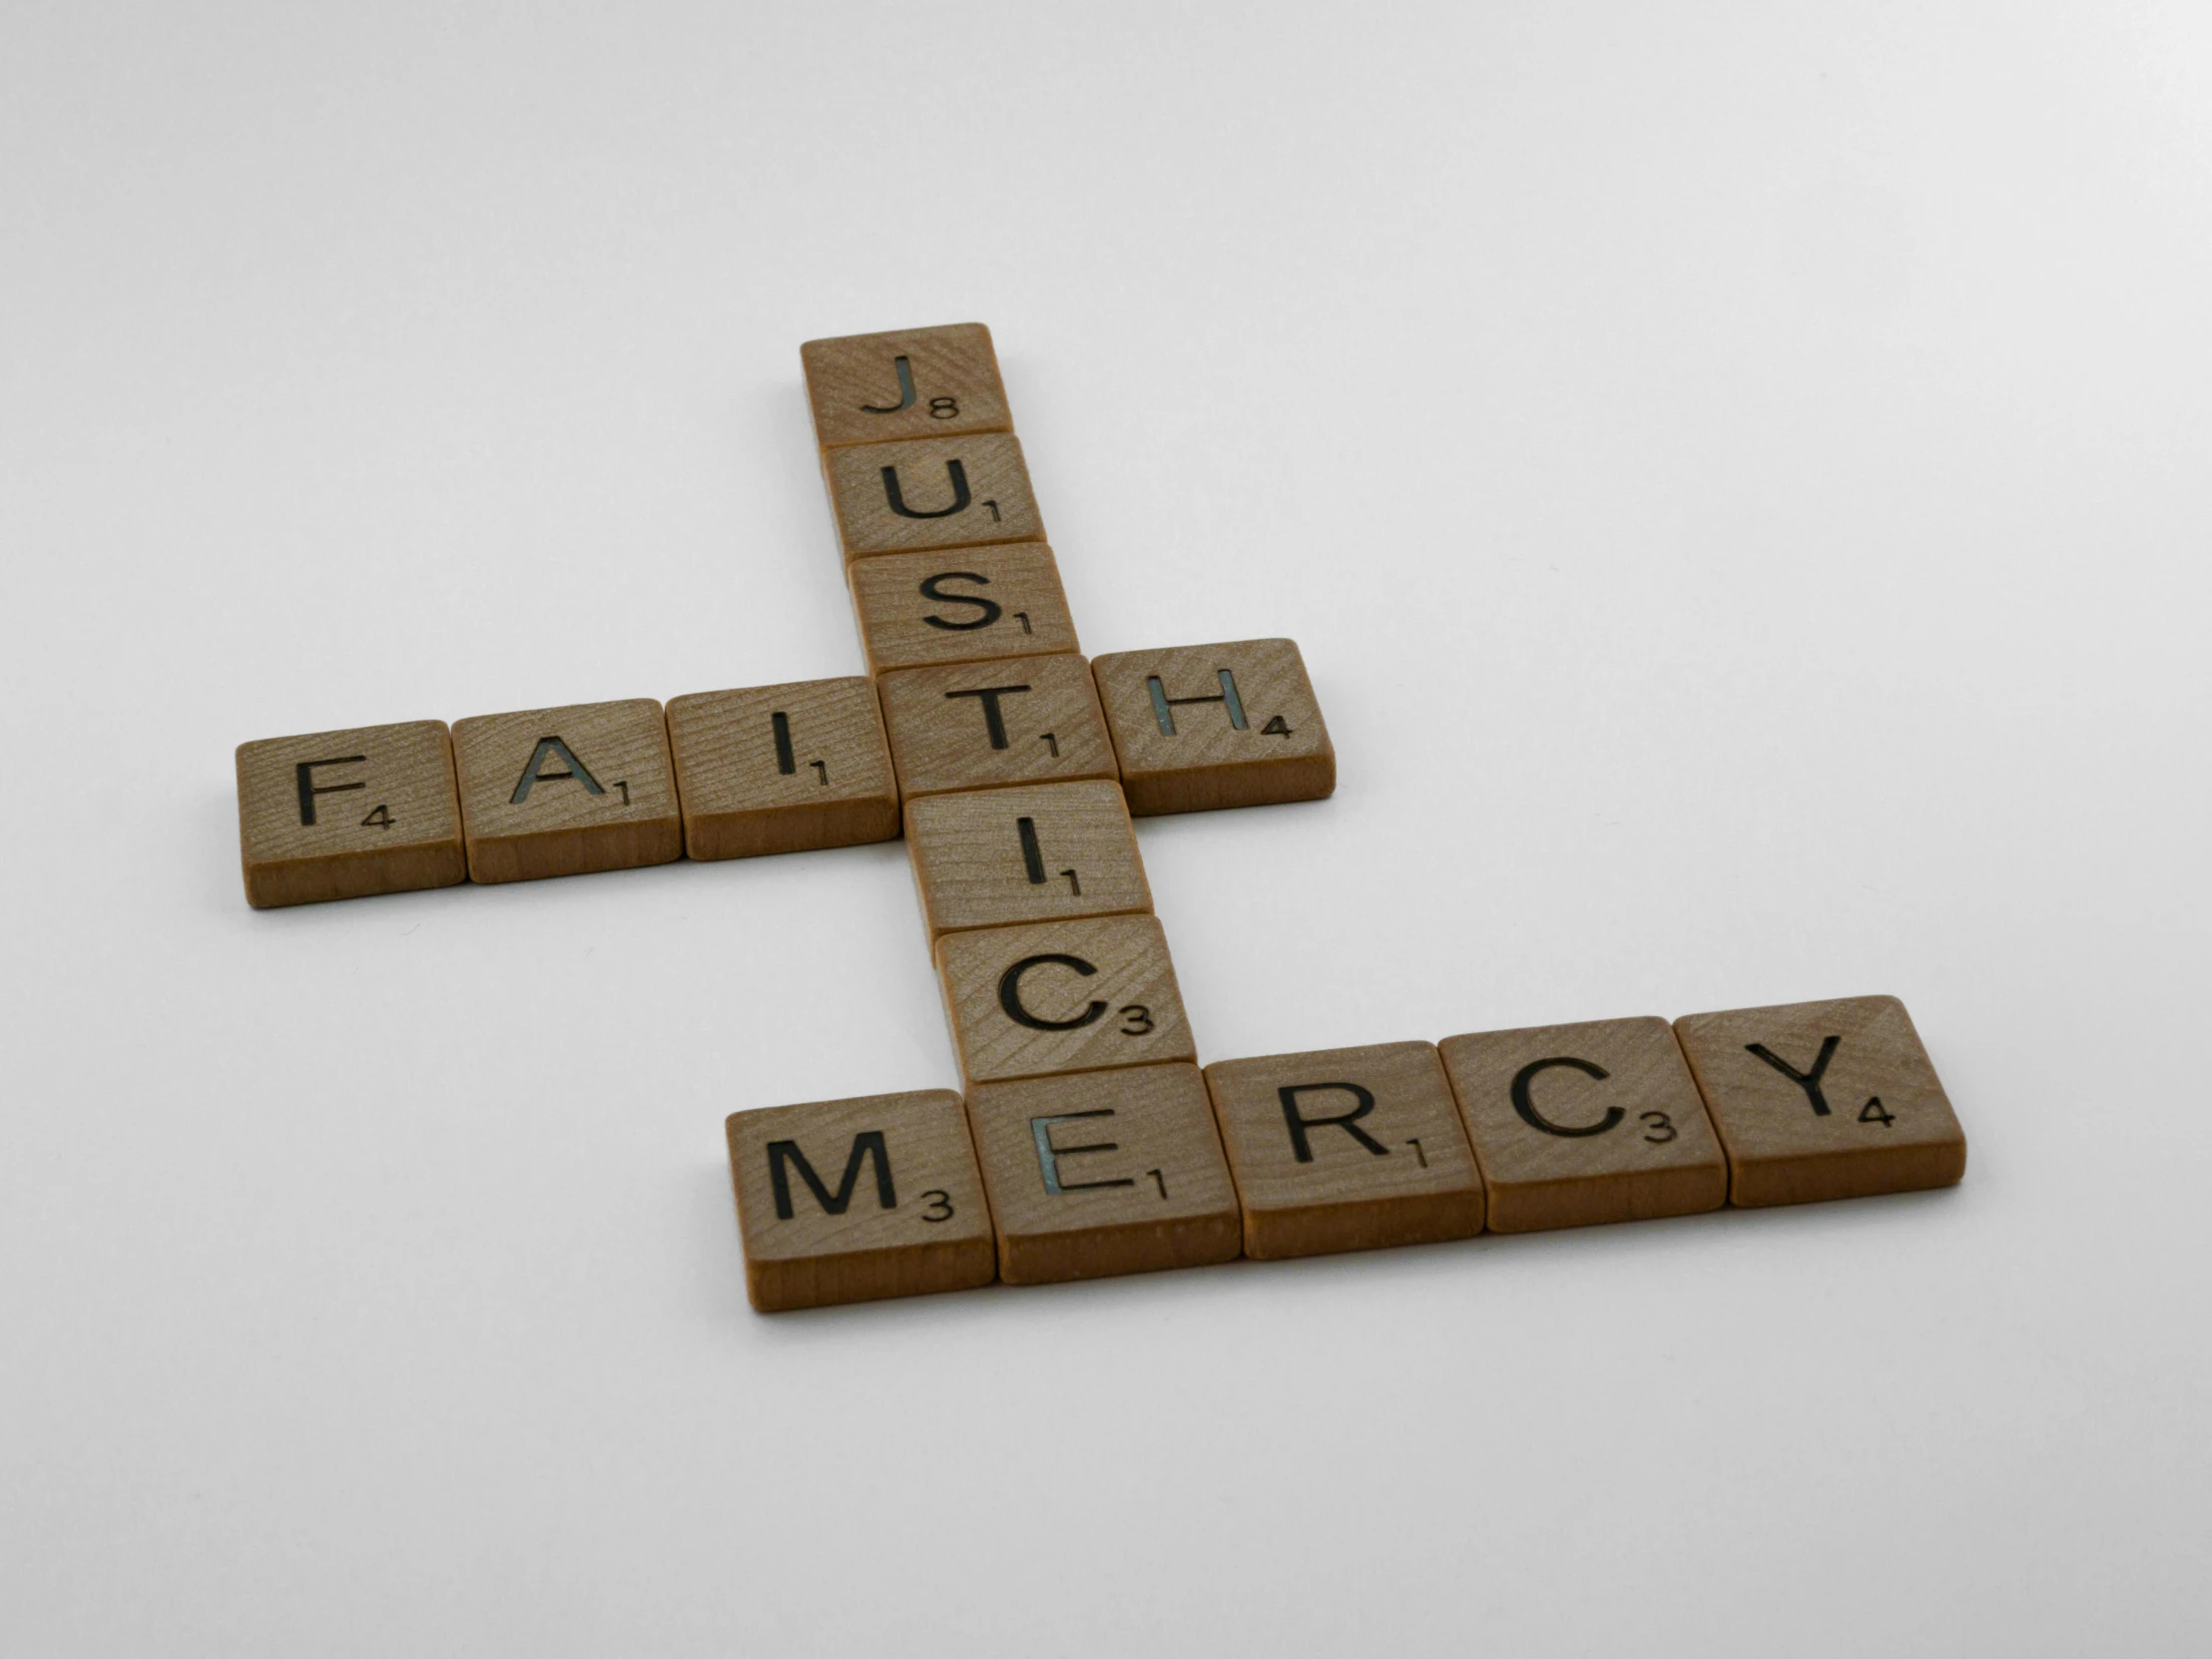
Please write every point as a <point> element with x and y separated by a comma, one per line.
<point>1104,1173</point>
<point>931,492</point>
<point>1044,853</point>
<point>1048,728</point>
<point>1190,739</point>
<point>731,755</point>
<point>1792,1142</point>
<point>1613,1129</point>
<point>596,790</point>
<point>1345,1149</point>
<point>1062,996</point>
<point>967,605</point>
<point>895,1206</point>
<point>949,386</point>
<point>342,814</point>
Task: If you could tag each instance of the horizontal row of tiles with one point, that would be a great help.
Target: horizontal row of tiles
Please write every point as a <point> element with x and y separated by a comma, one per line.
<point>1092,1174</point>
<point>773,769</point>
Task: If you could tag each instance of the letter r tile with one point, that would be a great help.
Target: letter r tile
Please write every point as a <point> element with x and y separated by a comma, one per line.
<point>1578,1124</point>
<point>856,1199</point>
<point>1819,1100</point>
<point>1103,1173</point>
<point>930,492</point>
<point>1060,996</point>
<point>341,815</point>
<point>1345,1149</point>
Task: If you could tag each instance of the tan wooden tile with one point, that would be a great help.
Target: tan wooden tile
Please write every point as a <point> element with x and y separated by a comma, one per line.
<point>1196,727</point>
<point>978,726</point>
<point>854,1200</point>
<point>782,768</point>
<point>1058,996</point>
<point>566,792</point>
<point>1819,1100</point>
<point>907,384</point>
<point>1102,1173</point>
<point>1046,852</point>
<point>931,492</point>
<point>1345,1149</point>
<point>341,815</point>
<point>1578,1124</point>
<point>967,605</point>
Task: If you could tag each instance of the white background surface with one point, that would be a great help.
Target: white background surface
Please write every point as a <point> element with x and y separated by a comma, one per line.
<point>1739,481</point>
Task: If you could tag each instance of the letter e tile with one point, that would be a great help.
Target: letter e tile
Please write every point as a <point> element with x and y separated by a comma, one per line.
<point>1585,1123</point>
<point>1102,1173</point>
<point>1198,727</point>
<point>568,791</point>
<point>341,815</point>
<point>856,1199</point>
<point>782,768</point>
<point>1819,1100</point>
<point>1345,1149</point>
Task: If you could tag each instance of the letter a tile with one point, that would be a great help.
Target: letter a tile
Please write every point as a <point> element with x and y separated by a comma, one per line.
<point>1203,726</point>
<point>1104,1173</point>
<point>782,768</point>
<point>341,815</point>
<point>1062,996</point>
<point>856,1199</point>
<point>932,492</point>
<point>976,726</point>
<point>910,383</point>
<point>1819,1100</point>
<point>1585,1123</point>
<point>568,791</point>
<point>1345,1149</point>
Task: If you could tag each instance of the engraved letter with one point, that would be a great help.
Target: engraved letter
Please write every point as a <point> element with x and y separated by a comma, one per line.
<point>953,471</point>
<point>1809,1081</point>
<point>1164,706</point>
<point>867,1145</point>
<point>1050,1156</point>
<point>1537,1120</point>
<point>303,773</point>
<point>532,774</point>
<point>1348,1122</point>
<point>993,722</point>
<point>930,590</point>
<point>1010,995</point>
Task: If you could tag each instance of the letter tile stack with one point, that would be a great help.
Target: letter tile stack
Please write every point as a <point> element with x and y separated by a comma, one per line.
<point>1088,1141</point>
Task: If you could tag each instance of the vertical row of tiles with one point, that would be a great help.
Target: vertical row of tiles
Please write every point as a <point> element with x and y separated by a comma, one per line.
<point>1092,1126</point>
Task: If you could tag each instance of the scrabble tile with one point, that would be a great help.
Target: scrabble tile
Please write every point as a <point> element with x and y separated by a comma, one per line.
<point>1578,1124</point>
<point>967,605</point>
<point>1043,853</point>
<point>854,1200</point>
<point>976,726</point>
<point>1103,1173</point>
<point>568,791</point>
<point>1345,1149</point>
<point>782,768</point>
<point>1819,1100</point>
<point>1057,996</point>
<point>341,815</point>
<point>909,383</point>
<point>930,492</point>
<point>1197,727</point>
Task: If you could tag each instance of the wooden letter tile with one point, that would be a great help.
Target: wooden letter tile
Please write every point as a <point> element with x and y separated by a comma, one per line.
<point>1345,1149</point>
<point>1203,726</point>
<point>566,792</point>
<point>910,383</point>
<point>1819,1100</point>
<point>1058,996</point>
<point>854,1200</point>
<point>994,858</point>
<point>1025,719</point>
<point>782,768</point>
<point>341,815</point>
<point>1576,1124</point>
<point>932,492</point>
<point>1103,1173</point>
<point>962,606</point>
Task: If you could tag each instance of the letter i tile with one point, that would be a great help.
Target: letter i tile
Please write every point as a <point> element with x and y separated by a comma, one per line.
<point>856,1199</point>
